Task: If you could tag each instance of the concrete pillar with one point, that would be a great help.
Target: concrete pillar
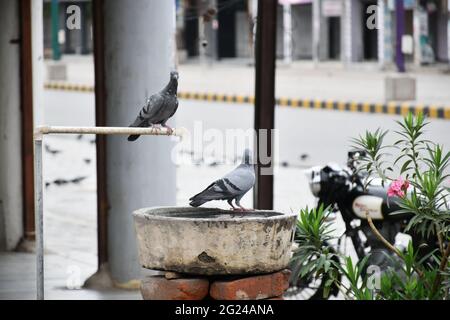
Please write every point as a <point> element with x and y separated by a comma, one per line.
<point>316,12</point>
<point>139,54</point>
<point>385,43</point>
<point>254,14</point>
<point>11,210</point>
<point>380,33</point>
<point>37,44</point>
<point>210,34</point>
<point>287,33</point>
<point>346,23</point>
<point>417,13</point>
<point>352,36</point>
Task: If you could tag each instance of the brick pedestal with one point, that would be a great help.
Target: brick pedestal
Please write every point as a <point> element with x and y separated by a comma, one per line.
<point>160,288</point>
<point>189,287</point>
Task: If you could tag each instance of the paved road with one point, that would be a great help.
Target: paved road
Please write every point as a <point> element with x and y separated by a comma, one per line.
<point>306,138</point>
<point>302,80</point>
<point>322,135</point>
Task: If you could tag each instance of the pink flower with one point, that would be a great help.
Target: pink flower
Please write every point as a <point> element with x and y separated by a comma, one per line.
<point>398,188</point>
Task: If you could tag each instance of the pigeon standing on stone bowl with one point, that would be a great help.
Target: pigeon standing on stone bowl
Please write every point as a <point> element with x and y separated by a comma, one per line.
<point>232,186</point>
<point>159,107</point>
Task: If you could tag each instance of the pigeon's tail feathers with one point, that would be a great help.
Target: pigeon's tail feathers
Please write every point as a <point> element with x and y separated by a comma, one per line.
<point>133,137</point>
<point>198,199</point>
<point>206,195</point>
<point>196,202</point>
<point>138,123</point>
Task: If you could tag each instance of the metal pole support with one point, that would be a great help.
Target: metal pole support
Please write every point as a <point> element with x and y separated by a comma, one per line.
<point>39,209</point>
<point>38,193</point>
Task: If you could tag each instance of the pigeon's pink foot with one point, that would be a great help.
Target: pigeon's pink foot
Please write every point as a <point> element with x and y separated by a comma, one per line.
<point>245,209</point>
<point>155,128</point>
<point>169,130</point>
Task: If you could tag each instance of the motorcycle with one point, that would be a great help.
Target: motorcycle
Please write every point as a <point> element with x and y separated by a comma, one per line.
<point>341,189</point>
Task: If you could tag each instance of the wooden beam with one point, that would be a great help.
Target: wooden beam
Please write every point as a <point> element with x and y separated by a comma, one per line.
<point>100,120</point>
<point>26,87</point>
<point>265,97</point>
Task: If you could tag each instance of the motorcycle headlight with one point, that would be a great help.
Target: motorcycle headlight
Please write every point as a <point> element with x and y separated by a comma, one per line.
<point>314,180</point>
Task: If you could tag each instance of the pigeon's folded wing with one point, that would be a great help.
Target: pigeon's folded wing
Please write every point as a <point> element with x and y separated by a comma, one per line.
<point>240,180</point>
<point>215,191</point>
<point>154,105</point>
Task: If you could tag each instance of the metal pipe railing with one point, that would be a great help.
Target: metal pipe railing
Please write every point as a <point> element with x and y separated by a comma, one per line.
<point>38,181</point>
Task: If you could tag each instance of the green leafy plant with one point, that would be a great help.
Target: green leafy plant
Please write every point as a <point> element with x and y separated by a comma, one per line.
<point>411,280</point>
<point>421,193</point>
<point>416,170</point>
<point>314,257</point>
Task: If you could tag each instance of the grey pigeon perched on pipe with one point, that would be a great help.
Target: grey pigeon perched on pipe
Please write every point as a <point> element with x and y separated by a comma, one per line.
<point>232,186</point>
<point>159,107</point>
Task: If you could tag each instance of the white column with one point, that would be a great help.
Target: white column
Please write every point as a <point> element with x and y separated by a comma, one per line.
<point>206,33</point>
<point>138,40</point>
<point>388,34</point>
<point>11,215</point>
<point>347,29</point>
<point>37,43</point>
<point>287,33</point>
<point>416,35</point>
<point>316,30</point>
<point>253,8</point>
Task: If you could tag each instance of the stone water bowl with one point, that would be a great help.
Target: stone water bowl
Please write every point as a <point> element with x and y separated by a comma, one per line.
<point>213,241</point>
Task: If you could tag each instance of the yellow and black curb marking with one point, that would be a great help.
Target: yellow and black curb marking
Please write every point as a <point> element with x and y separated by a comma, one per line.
<point>68,87</point>
<point>432,111</point>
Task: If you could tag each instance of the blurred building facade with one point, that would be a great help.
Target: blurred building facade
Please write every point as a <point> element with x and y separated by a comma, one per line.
<point>343,30</point>
<point>321,30</point>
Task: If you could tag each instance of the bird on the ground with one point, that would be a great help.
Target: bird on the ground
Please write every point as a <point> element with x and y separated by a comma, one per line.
<point>78,179</point>
<point>233,186</point>
<point>52,151</point>
<point>159,107</point>
<point>304,156</point>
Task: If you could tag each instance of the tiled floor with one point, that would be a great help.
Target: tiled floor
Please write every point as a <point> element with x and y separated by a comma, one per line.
<point>18,281</point>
